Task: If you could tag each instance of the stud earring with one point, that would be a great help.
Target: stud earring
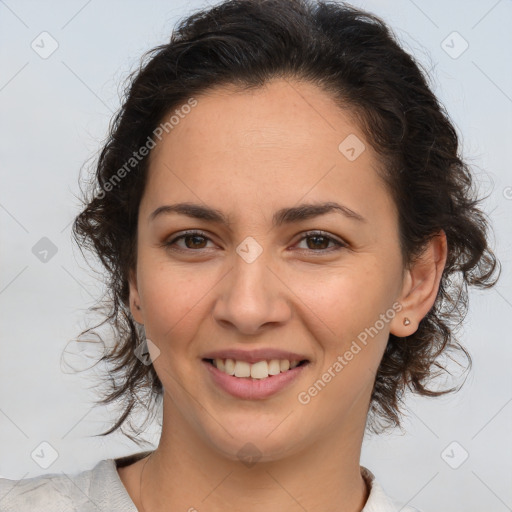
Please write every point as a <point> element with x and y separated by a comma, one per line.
<point>406,321</point>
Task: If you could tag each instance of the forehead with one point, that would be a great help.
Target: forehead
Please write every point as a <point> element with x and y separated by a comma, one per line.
<point>272,146</point>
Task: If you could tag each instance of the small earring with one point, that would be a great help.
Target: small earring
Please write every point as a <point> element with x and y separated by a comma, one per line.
<point>406,321</point>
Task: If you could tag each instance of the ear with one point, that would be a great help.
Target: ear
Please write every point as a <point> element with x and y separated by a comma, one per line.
<point>135,302</point>
<point>420,286</point>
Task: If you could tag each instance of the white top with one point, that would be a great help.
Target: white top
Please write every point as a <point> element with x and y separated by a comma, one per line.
<point>101,490</point>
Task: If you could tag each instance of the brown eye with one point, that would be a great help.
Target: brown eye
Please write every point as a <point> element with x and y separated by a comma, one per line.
<point>196,241</point>
<point>193,240</point>
<point>319,242</point>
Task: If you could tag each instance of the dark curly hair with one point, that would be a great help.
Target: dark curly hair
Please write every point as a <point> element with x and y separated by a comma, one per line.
<point>355,58</point>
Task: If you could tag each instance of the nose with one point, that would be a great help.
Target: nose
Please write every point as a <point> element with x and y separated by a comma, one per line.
<point>251,298</point>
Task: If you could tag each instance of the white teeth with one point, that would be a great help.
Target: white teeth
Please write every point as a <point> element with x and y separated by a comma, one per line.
<point>229,367</point>
<point>259,370</point>
<point>242,369</point>
<point>274,368</point>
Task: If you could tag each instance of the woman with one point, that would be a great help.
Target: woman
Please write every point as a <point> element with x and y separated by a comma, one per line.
<point>283,213</point>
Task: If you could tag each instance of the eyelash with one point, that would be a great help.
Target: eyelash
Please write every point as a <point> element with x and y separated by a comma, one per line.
<point>310,234</point>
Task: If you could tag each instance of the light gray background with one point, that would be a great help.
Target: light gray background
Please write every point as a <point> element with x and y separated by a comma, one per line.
<point>54,113</point>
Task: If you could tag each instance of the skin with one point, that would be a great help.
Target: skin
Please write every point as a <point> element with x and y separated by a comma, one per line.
<point>249,154</point>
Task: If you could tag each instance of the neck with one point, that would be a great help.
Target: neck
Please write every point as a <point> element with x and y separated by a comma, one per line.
<point>185,474</point>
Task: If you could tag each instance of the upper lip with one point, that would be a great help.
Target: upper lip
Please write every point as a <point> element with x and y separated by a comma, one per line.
<point>253,356</point>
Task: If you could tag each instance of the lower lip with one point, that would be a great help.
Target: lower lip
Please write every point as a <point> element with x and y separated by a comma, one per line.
<point>253,389</point>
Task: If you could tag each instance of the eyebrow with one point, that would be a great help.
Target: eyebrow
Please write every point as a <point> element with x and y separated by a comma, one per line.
<point>283,216</point>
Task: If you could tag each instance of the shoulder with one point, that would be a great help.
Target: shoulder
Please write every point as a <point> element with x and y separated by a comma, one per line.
<point>378,500</point>
<point>55,491</point>
<point>97,489</point>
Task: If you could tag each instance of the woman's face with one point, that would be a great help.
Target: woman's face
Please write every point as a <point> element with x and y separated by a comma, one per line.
<point>261,286</point>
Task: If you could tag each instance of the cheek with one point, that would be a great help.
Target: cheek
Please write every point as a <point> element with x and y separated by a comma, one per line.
<point>344,301</point>
<point>174,297</point>
<point>348,305</point>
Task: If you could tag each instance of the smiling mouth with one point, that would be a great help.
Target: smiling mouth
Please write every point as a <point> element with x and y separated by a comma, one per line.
<point>259,370</point>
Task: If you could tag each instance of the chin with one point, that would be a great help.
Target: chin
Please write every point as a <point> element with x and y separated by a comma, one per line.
<point>253,442</point>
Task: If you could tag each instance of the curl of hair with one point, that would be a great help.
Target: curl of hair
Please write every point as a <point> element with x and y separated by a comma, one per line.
<point>353,56</point>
